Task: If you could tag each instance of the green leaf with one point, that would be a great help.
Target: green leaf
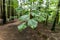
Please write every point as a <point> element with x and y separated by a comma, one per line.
<point>22,27</point>
<point>32,23</point>
<point>40,19</point>
<point>32,0</point>
<point>19,9</point>
<point>24,18</point>
<point>35,13</point>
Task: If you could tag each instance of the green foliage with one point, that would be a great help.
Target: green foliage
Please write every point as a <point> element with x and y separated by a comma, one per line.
<point>38,10</point>
<point>22,27</point>
<point>15,3</point>
<point>28,9</point>
<point>32,1</point>
<point>40,19</point>
<point>35,13</point>
<point>32,23</point>
<point>19,9</point>
<point>24,18</point>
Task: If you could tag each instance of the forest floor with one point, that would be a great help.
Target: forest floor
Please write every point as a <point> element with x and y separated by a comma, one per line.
<point>9,32</point>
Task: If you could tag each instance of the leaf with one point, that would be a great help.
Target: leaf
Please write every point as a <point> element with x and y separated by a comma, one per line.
<point>35,13</point>
<point>40,19</point>
<point>19,9</point>
<point>32,0</point>
<point>32,23</point>
<point>24,18</point>
<point>22,27</point>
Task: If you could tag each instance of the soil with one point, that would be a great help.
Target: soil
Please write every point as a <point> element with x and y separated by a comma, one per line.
<point>9,31</point>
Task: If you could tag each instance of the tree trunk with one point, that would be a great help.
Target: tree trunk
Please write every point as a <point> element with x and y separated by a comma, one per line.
<point>1,11</point>
<point>58,12</point>
<point>53,27</point>
<point>47,16</point>
<point>12,10</point>
<point>4,13</point>
<point>56,18</point>
<point>8,9</point>
<point>47,20</point>
<point>12,13</point>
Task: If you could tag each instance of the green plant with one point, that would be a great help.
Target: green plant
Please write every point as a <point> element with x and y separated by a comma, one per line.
<point>31,16</point>
<point>34,11</point>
